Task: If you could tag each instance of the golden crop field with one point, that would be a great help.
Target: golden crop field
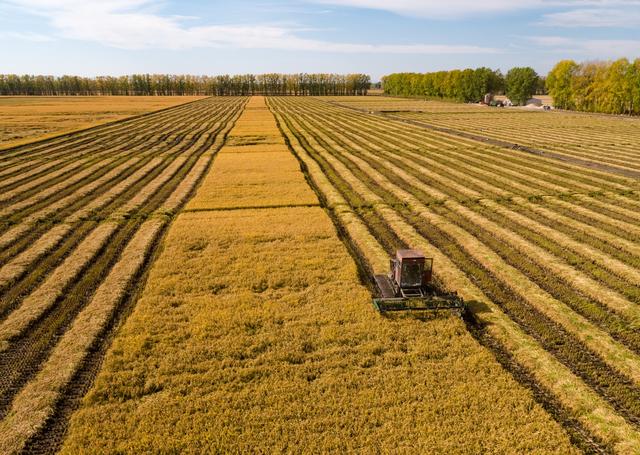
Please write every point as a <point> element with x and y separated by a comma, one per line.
<point>546,252</point>
<point>81,215</point>
<point>198,280</point>
<point>253,334</point>
<point>600,141</point>
<point>25,118</point>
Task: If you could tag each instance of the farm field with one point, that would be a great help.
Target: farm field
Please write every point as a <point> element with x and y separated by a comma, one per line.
<point>80,219</point>
<point>196,279</point>
<point>546,252</point>
<point>600,141</point>
<point>254,334</point>
<point>390,104</point>
<point>25,118</point>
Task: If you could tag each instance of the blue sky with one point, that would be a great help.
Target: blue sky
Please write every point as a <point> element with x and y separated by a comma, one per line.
<point>95,37</point>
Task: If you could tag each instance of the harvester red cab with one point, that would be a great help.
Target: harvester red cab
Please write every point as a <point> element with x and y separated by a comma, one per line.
<point>409,286</point>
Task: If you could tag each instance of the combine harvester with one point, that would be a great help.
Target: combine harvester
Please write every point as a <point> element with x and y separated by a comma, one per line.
<point>409,287</point>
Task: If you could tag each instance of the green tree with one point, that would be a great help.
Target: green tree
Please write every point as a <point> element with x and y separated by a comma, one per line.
<point>521,84</point>
<point>634,77</point>
<point>560,84</point>
<point>618,87</point>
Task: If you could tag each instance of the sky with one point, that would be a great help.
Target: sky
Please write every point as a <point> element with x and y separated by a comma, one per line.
<point>377,37</point>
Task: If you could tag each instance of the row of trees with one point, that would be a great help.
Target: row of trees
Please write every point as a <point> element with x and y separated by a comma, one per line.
<point>468,85</point>
<point>607,87</point>
<point>462,85</point>
<point>166,84</point>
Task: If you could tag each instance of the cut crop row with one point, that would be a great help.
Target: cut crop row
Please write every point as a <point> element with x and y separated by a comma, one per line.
<point>602,313</point>
<point>603,179</point>
<point>78,141</point>
<point>75,198</point>
<point>135,143</point>
<point>623,157</point>
<point>79,225</point>
<point>525,166</point>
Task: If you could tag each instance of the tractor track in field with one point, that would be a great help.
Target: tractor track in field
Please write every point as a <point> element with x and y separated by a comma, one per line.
<point>25,355</point>
<point>579,435</point>
<point>499,143</point>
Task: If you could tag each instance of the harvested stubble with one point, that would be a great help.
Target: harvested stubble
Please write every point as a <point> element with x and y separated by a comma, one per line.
<point>45,296</point>
<point>598,139</point>
<point>59,311</point>
<point>342,143</point>
<point>25,118</point>
<point>16,267</point>
<point>36,402</point>
<point>253,334</point>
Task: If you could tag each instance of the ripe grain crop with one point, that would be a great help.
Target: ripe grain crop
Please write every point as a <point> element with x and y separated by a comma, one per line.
<point>487,258</point>
<point>254,331</point>
<point>25,118</point>
<point>273,180</point>
<point>254,334</point>
<point>554,329</point>
<point>596,139</point>
<point>45,296</point>
<point>73,251</point>
<point>35,403</point>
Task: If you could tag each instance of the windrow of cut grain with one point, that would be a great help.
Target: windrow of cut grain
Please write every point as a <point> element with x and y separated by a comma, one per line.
<point>596,139</point>
<point>253,334</point>
<point>27,118</point>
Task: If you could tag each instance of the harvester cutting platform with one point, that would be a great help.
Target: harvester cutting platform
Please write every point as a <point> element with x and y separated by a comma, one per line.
<point>409,286</point>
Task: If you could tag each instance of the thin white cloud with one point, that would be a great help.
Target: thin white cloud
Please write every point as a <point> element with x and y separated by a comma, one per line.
<point>436,8</point>
<point>447,9</point>
<point>136,24</point>
<point>612,48</point>
<point>592,48</point>
<point>593,17</point>
<point>551,40</point>
<point>25,36</point>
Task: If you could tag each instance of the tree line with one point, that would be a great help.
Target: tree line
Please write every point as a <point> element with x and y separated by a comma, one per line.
<point>167,84</point>
<point>608,87</point>
<point>468,85</point>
